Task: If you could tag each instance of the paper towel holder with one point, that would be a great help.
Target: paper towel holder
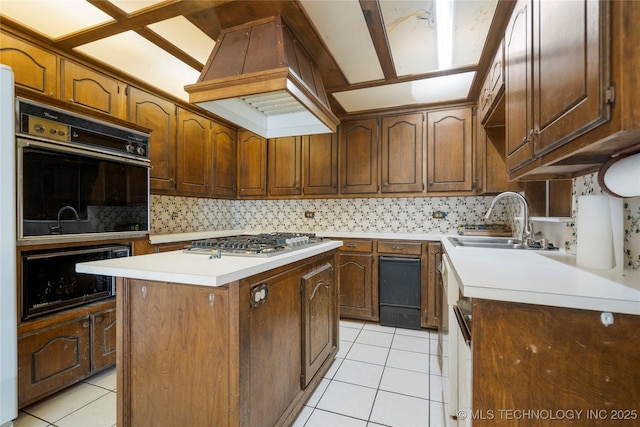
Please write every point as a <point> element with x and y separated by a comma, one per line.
<point>632,154</point>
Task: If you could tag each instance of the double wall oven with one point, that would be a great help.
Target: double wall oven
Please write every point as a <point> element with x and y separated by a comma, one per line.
<point>81,181</point>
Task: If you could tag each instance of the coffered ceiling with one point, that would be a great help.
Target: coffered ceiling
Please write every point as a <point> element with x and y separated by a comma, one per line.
<point>372,54</point>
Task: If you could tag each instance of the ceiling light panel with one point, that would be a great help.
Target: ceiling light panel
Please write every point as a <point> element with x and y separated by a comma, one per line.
<point>471,23</point>
<point>143,60</point>
<point>131,6</point>
<point>453,87</point>
<point>54,18</point>
<point>186,36</point>
<point>411,31</point>
<point>342,27</point>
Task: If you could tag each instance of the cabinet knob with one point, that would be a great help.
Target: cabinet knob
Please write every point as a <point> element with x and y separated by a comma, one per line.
<point>98,319</point>
<point>85,323</point>
<point>351,245</point>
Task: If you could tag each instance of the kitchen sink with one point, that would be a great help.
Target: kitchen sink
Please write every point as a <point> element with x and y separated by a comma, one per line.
<point>488,242</point>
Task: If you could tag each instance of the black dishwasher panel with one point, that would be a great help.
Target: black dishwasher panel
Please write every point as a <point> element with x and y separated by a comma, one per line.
<point>399,292</point>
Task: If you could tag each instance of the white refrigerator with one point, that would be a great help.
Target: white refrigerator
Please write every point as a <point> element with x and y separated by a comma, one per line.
<point>8,297</point>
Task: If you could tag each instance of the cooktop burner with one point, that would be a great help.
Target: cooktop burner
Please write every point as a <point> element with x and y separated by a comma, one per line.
<point>259,245</point>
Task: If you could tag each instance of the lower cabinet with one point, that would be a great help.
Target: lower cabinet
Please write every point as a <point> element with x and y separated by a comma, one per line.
<point>103,338</point>
<point>248,353</point>
<point>358,296</point>
<point>56,356</point>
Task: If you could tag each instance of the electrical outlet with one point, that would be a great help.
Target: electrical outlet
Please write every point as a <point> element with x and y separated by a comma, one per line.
<point>438,214</point>
<point>309,214</point>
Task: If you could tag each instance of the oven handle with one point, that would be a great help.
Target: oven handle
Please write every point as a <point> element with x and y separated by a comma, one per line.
<point>466,334</point>
<point>61,147</point>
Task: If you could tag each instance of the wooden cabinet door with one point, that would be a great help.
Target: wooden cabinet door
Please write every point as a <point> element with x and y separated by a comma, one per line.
<point>493,86</point>
<point>570,72</point>
<point>91,89</point>
<point>103,346</point>
<point>158,115</point>
<point>252,165</point>
<point>518,86</point>
<point>449,150</point>
<point>431,304</point>
<point>320,164</point>
<point>358,142</point>
<point>51,359</point>
<point>285,171</point>
<point>402,153</point>
<point>318,313</point>
<point>273,340</point>
<point>33,68</point>
<point>224,161</point>
<point>356,285</point>
<point>194,154</point>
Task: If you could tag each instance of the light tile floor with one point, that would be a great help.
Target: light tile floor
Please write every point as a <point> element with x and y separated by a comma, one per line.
<point>382,376</point>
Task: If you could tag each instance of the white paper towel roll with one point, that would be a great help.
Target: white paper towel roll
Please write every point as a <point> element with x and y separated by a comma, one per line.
<point>596,219</point>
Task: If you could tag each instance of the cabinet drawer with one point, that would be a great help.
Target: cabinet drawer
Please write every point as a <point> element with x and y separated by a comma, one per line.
<point>357,245</point>
<point>397,247</point>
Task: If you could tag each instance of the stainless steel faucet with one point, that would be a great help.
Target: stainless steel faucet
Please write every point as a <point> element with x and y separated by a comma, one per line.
<point>527,229</point>
<point>57,229</point>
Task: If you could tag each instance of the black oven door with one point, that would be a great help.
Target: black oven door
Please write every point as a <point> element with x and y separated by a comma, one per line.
<point>64,190</point>
<point>50,282</point>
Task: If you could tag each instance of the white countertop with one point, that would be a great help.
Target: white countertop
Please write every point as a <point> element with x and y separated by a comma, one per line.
<point>542,277</point>
<point>198,269</point>
<point>525,276</point>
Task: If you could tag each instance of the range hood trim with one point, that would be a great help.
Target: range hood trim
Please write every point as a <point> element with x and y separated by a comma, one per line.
<point>223,95</point>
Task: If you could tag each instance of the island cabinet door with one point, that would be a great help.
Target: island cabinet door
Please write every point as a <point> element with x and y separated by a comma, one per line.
<point>318,289</point>
<point>173,355</point>
<point>270,348</point>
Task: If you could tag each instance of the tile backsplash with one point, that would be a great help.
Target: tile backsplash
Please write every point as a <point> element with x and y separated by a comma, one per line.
<point>174,214</point>
<point>400,215</point>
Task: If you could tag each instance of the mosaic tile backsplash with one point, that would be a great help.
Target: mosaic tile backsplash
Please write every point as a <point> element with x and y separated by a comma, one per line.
<point>171,214</point>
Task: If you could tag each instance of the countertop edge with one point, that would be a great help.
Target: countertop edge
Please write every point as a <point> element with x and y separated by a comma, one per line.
<point>151,267</point>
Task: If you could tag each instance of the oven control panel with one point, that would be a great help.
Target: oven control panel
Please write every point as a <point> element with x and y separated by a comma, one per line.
<point>54,124</point>
<point>39,126</point>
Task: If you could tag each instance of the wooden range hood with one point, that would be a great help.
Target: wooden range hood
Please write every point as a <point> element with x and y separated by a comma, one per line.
<point>260,78</point>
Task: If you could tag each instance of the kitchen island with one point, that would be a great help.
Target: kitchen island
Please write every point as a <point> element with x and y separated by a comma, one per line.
<point>230,341</point>
<point>550,343</point>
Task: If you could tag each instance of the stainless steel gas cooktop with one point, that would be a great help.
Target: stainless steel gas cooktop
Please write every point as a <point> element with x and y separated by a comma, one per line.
<point>259,245</point>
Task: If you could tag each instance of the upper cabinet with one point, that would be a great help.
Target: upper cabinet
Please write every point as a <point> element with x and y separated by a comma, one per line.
<point>285,170</point>
<point>194,154</point>
<point>44,72</point>
<point>358,140</point>
<point>518,85</point>
<point>94,90</point>
<point>402,153</point>
<point>224,161</point>
<point>449,150</point>
<point>557,76</point>
<point>320,164</point>
<point>570,70</point>
<point>34,68</point>
<point>252,165</point>
<point>159,116</point>
<point>493,87</point>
